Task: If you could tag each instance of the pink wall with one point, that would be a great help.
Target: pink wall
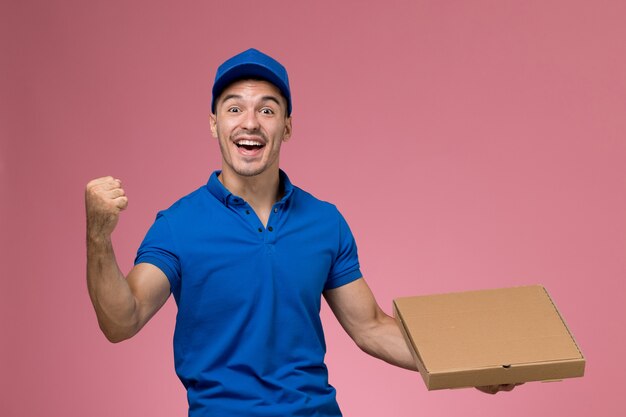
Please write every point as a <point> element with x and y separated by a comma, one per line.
<point>470,144</point>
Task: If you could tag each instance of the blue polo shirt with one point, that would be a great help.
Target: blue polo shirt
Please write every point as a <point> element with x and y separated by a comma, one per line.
<point>248,339</point>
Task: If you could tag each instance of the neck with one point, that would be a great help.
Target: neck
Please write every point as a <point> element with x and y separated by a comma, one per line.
<point>260,191</point>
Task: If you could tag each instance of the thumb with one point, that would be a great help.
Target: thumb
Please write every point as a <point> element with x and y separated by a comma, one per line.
<point>121,202</point>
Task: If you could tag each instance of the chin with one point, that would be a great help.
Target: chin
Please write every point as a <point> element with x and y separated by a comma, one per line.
<point>249,172</point>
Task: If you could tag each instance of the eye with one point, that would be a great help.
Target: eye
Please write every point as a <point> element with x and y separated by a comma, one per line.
<point>267,110</point>
<point>234,110</point>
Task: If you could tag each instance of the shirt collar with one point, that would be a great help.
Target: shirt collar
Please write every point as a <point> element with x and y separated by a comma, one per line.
<point>220,192</point>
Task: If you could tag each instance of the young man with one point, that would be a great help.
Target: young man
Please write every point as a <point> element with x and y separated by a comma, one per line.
<point>247,257</point>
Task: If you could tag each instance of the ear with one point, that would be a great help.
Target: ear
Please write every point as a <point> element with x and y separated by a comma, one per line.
<point>287,133</point>
<point>213,124</point>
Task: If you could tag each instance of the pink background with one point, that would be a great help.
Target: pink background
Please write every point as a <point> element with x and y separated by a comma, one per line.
<point>470,145</point>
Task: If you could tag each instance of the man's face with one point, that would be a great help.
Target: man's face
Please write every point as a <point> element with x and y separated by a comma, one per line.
<point>250,122</point>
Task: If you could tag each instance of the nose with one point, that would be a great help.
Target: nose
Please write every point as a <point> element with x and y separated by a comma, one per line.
<point>250,121</point>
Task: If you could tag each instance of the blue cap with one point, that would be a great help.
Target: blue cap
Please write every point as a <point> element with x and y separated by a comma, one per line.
<point>251,64</point>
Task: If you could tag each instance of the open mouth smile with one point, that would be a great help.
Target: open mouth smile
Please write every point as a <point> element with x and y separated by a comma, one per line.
<point>249,145</point>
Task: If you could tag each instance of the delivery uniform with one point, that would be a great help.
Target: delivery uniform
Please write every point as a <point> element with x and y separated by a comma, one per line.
<point>248,339</point>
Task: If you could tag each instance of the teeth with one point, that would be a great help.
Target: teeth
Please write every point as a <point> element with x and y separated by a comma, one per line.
<point>247,142</point>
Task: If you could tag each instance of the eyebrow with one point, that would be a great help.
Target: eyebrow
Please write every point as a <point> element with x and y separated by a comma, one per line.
<point>230,96</point>
<point>264,98</point>
<point>271,98</point>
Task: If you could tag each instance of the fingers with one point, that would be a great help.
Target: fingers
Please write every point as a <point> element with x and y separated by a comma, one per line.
<point>101,181</point>
<point>104,183</point>
<point>105,194</point>
<point>106,186</point>
<point>121,202</point>
<point>489,389</point>
<point>506,387</point>
<point>113,193</point>
<point>494,389</point>
<point>104,199</point>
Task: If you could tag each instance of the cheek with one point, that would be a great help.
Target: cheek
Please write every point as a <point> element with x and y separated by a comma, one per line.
<point>220,131</point>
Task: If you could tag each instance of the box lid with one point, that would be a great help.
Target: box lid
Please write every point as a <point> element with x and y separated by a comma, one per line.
<point>476,330</point>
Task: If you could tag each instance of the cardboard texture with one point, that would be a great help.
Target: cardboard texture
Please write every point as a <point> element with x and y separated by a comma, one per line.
<point>488,337</point>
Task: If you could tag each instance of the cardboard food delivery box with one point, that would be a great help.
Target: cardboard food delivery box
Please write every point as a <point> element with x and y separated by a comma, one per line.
<point>488,337</point>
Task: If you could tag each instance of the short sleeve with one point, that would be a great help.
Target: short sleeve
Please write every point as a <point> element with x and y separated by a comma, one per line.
<point>345,267</point>
<point>159,249</point>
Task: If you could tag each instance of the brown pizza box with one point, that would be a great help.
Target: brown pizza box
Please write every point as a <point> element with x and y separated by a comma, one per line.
<point>488,337</point>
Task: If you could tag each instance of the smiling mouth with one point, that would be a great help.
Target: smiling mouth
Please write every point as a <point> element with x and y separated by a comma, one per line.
<point>249,145</point>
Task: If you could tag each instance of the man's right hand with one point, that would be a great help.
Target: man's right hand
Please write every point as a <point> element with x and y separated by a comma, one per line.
<point>104,200</point>
<point>123,305</point>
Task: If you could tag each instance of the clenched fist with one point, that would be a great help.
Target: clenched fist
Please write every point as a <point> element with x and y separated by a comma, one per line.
<point>104,199</point>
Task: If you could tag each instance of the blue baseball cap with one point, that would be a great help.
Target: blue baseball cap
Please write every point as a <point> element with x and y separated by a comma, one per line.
<point>251,64</point>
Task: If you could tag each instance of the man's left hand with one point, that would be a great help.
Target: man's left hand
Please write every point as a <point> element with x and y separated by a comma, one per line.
<point>494,389</point>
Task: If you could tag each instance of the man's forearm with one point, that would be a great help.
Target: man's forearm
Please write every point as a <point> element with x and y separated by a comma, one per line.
<point>385,341</point>
<point>110,294</point>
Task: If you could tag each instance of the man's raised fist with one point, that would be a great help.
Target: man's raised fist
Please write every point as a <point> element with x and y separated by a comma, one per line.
<point>104,199</point>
